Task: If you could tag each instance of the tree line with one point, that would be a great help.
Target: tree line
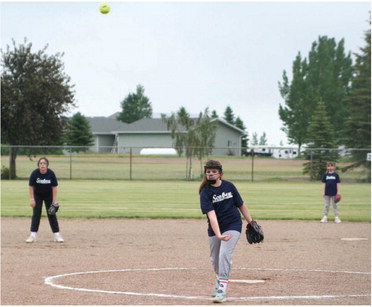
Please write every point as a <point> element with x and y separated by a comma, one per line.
<point>327,103</point>
<point>137,106</point>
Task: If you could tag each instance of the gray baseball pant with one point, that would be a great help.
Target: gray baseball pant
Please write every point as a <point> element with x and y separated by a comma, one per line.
<point>221,254</point>
<point>327,201</point>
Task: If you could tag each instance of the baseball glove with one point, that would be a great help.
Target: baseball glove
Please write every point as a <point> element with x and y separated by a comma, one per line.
<point>337,198</point>
<point>254,233</point>
<point>53,208</point>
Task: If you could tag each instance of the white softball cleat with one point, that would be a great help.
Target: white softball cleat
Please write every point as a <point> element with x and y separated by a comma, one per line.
<point>58,238</point>
<point>215,289</point>
<point>31,239</point>
<point>220,297</point>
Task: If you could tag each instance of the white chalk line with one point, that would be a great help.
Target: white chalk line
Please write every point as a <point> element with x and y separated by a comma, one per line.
<point>306,270</point>
<point>246,281</point>
<point>354,239</point>
<point>50,281</point>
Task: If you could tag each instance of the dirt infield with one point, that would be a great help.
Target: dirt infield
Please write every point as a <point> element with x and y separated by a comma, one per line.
<point>166,262</point>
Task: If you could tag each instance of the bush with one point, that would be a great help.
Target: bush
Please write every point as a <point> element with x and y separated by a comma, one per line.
<point>4,172</point>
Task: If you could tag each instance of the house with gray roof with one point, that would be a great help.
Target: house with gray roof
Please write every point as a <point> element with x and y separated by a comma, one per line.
<point>111,135</point>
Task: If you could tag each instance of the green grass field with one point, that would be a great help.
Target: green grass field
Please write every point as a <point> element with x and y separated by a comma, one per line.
<point>179,199</point>
<point>118,167</point>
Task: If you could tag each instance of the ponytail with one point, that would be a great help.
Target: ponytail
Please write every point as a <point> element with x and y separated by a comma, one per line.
<point>203,183</point>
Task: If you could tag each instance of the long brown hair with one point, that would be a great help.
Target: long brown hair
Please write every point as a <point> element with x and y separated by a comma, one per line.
<point>211,164</point>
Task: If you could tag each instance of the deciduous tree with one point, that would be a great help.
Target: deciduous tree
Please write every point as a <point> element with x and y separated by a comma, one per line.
<point>324,76</point>
<point>35,93</point>
<point>195,137</point>
<point>263,139</point>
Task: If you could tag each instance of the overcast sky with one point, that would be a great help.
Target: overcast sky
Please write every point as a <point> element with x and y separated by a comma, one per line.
<point>194,54</point>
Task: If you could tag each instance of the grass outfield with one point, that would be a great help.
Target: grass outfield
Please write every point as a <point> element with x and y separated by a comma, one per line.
<point>177,199</point>
<point>118,167</point>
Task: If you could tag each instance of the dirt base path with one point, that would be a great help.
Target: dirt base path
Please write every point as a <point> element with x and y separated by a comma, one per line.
<point>166,262</point>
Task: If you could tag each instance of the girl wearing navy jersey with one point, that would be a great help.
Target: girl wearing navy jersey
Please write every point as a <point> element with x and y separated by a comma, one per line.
<point>331,187</point>
<point>43,188</point>
<point>223,205</point>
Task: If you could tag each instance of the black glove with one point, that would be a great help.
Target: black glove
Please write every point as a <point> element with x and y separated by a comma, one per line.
<point>53,208</point>
<point>254,233</point>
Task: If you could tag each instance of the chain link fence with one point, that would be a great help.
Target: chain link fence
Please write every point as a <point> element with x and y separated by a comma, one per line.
<point>259,163</point>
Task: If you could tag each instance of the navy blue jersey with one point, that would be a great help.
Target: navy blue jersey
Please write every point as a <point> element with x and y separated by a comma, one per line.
<point>43,183</point>
<point>331,180</point>
<point>225,201</point>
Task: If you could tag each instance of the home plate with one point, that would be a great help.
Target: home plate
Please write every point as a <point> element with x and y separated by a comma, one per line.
<point>354,239</point>
<point>247,281</point>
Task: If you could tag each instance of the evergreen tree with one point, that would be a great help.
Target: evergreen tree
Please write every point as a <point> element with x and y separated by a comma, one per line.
<point>135,106</point>
<point>214,114</point>
<point>35,93</point>
<point>358,122</point>
<point>78,132</point>
<point>229,115</point>
<point>330,73</point>
<point>237,122</point>
<point>244,143</point>
<point>321,138</point>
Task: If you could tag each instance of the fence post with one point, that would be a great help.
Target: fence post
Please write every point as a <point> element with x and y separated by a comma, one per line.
<point>252,152</point>
<point>130,163</point>
<point>187,167</point>
<point>70,163</point>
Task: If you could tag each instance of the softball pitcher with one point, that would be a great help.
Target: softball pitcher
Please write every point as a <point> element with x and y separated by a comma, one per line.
<point>222,203</point>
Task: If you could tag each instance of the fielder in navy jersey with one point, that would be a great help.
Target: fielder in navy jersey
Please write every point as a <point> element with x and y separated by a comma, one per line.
<point>223,205</point>
<point>43,188</point>
<point>331,187</point>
